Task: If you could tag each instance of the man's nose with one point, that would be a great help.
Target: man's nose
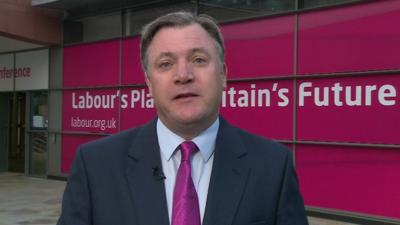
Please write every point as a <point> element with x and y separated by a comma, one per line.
<point>184,73</point>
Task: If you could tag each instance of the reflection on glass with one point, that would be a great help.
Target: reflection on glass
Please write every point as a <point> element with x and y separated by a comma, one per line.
<point>319,3</point>
<point>93,28</point>
<point>39,110</point>
<point>240,9</point>
<point>38,153</point>
<point>136,19</point>
<point>256,5</point>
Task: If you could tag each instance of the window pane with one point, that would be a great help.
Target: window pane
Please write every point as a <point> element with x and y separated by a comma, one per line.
<point>39,110</point>
<point>241,9</point>
<point>260,48</point>
<point>261,109</point>
<point>362,37</point>
<point>319,3</point>
<point>358,109</point>
<point>355,179</point>
<point>136,19</point>
<point>94,28</point>
<point>38,153</point>
<point>94,64</point>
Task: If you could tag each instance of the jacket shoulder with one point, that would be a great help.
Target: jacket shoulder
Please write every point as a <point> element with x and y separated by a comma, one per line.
<point>260,146</point>
<point>113,139</point>
<point>111,146</point>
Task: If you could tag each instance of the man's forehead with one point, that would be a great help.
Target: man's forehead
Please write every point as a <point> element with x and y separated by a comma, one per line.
<point>178,34</point>
<point>189,39</point>
<point>177,28</point>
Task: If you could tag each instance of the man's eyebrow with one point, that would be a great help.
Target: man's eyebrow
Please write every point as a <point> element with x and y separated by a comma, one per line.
<point>191,52</point>
<point>201,50</point>
<point>165,54</point>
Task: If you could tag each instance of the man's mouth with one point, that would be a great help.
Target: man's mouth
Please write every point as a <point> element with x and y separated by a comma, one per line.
<point>185,96</point>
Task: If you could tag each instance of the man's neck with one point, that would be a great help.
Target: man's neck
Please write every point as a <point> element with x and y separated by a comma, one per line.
<point>189,131</point>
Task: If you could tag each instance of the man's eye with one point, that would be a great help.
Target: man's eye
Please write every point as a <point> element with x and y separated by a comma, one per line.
<point>200,61</point>
<point>164,65</point>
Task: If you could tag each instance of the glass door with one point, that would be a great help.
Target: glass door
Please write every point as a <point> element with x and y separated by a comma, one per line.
<point>4,130</point>
<point>16,154</point>
<point>38,133</point>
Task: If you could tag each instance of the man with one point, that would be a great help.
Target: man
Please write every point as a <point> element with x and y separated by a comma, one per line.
<point>188,166</point>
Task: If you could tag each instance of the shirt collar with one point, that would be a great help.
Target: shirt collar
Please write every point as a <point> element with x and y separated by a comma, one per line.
<point>169,141</point>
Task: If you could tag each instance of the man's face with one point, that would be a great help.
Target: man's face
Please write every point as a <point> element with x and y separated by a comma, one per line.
<point>185,78</point>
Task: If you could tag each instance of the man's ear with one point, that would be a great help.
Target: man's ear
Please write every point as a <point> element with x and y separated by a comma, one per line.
<point>148,83</point>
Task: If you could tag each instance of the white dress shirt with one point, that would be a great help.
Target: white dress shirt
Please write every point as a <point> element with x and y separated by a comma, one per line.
<point>201,162</point>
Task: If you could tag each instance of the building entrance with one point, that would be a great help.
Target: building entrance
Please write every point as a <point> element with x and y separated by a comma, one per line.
<point>14,135</point>
<point>16,156</point>
<point>4,130</point>
<point>12,132</point>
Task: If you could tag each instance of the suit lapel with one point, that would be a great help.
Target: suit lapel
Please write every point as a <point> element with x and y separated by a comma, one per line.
<point>228,179</point>
<point>147,189</point>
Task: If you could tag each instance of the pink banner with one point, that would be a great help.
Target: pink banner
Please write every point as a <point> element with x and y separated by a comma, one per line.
<point>91,111</point>
<point>353,38</point>
<point>131,67</point>
<point>352,109</point>
<point>260,48</point>
<point>364,180</point>
<point>91,64</point>
<point>262,107</point>
<point>70,145</point>
<point>137,107</point>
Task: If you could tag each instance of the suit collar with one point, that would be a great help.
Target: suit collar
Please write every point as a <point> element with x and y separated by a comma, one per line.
<point>228,137</point>
<point>145,138</point>
<point>228,178</point>
<point>144,176</point>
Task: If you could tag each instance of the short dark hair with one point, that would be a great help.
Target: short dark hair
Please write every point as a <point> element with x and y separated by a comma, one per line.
<point>180,19</point>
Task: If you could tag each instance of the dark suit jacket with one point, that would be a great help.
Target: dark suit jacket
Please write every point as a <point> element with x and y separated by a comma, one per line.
<point>113,182</point>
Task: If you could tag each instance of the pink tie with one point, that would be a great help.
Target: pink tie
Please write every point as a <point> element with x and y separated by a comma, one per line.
<point>185,209</point>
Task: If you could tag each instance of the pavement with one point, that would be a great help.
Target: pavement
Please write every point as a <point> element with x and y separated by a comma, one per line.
<point>37,201</point>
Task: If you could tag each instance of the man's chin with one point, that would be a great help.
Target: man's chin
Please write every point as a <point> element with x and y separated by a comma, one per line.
<point>187,121</point>
<point>195,121</point>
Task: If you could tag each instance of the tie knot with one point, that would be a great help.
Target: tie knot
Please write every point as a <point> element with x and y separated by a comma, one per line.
<point>187,149</point>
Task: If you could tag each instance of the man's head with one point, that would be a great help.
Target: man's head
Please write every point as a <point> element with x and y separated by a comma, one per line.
<point>180,19</point>
<point>183,58</point>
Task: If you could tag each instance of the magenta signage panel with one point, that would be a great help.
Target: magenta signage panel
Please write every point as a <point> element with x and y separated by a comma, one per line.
<point>352,109</point>
<point>91,64</point>
<point>132,72</point>
<point>137,107</point>
<point>364,180</point>
<point>261,107</point>
<point>91,111</point>
<point>361,109</point>
<point>70,144</point>
<point>268,103</point>
<point>260,48</point>
<point>353,38</point>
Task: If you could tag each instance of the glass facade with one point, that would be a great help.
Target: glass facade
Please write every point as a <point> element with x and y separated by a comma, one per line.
<point>323,82</point>
<point>321,79</point>
<point>128,21</point>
